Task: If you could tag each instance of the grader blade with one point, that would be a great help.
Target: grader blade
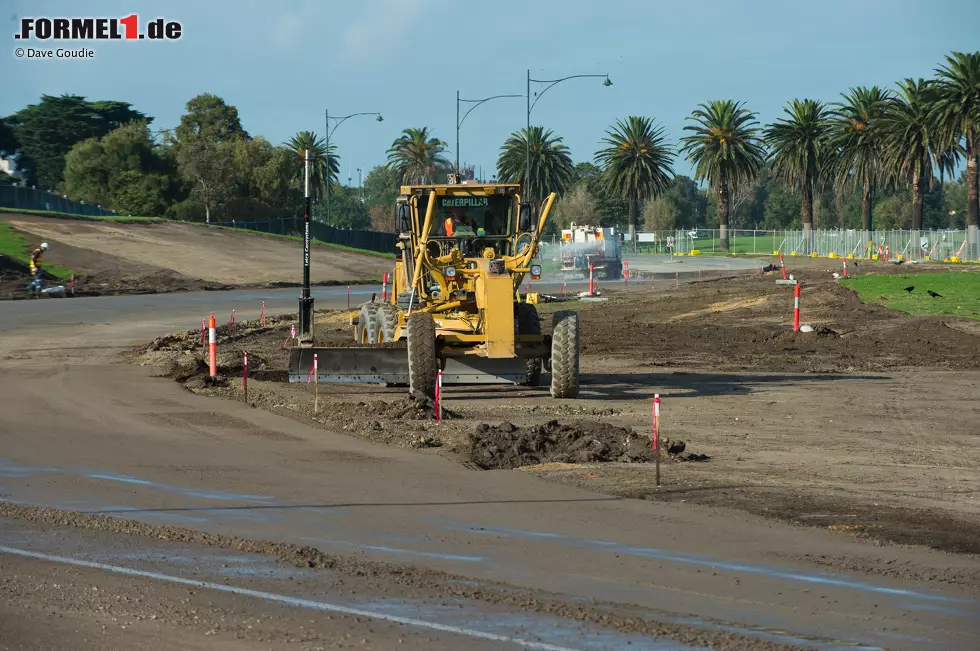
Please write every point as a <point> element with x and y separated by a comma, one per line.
<point>350,365</point>
<point>389,366</point>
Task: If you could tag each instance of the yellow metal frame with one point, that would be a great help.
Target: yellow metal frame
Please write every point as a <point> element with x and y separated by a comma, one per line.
<point>473,310</point>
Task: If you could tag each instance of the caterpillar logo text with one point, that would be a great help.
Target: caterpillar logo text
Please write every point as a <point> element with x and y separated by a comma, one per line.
<point>98,29</point>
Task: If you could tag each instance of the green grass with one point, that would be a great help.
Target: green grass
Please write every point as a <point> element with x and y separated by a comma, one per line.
<point>296,238</point>
<point>119,219</point>
<point>15,246</point>
<point>741,244</point>
<point>960,292</point>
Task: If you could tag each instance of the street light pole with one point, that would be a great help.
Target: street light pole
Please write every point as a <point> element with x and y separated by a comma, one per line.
<point>329,131</point>
<point>459,121</point>
<point>530,106</point>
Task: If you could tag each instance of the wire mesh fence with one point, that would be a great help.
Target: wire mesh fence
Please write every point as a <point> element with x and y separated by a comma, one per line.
<point>24,198</point>
<point>353,238</point>
<point>934,244</point>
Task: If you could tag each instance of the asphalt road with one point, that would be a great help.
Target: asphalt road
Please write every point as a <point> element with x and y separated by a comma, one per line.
<point>167,494</point>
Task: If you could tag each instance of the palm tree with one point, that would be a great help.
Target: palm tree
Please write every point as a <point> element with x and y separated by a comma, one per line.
<point>911,137</point>
<point>725,149</point>
<point>958,112</point>
<point>856,141</point>
<point>798,147</point>
<point>416,155</point>
<point>637,163</point>
<point>551,163</point>
<point>324,164</point>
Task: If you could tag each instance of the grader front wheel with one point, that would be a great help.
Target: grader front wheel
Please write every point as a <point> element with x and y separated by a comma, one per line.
<point>422,363</point>
<point>565,355</point>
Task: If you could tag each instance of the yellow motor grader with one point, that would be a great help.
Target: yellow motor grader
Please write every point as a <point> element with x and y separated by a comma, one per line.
<point>463,250</point>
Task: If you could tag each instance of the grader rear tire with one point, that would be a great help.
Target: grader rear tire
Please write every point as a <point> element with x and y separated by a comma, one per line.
<point>422,363</point>
<point>365,331</point>
<point>528,323</point>
<point>385,322</point>
<point>565,355</point>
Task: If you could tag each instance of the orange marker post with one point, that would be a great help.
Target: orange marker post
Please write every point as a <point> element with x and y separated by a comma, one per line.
<point>245,374</point>
<point>213,341</point>
<point>626,275</point>
<point>591,282</point>
<point>316,385</point>
<point>796,309</point>
<point>782,265</point>
<point>656,434</point>
<point>384,287</point>
<point>439,397</point>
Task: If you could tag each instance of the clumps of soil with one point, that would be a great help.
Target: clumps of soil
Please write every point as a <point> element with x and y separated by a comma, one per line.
<point>415,406</point>
<point>509,446</point>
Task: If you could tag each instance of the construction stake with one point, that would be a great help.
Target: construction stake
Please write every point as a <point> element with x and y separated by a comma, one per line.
<point>213,340</point>
<point>245,374</point>
<point>796,308</point>
<point>656,434</point>
<point>439,397</point>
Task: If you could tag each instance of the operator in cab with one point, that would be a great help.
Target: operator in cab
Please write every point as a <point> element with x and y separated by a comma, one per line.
<point>457,225</point>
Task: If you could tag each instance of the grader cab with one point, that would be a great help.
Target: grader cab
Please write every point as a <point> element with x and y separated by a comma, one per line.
<point>463,250</point>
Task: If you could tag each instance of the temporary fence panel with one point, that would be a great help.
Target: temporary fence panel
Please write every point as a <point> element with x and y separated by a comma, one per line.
<point>24,198</point>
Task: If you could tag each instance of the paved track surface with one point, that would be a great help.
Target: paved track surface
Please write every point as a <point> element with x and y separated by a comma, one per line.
<point>86,434</point>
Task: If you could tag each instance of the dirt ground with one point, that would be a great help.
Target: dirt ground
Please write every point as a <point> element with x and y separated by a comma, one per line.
<point>866,426</point>
<point>111,258</point>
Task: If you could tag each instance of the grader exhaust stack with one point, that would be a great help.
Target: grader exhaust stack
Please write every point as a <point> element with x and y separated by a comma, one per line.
<point>455,304</point>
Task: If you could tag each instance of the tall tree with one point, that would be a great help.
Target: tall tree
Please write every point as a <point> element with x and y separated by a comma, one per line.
<point>208,118</point>
<point>726,149</point>
<point>577,206</point>
<point>324,163</point>
<point>958,111</point>
<point>417,156</point>
<point>551,162</point>
<point>798,148</point>
<point>381,188</point>
<point>203,142</point>
<point>910,134</point>
<point>856,143</point>
<point>46,132</point>
<point>637,163</point>
<point>122,171</point>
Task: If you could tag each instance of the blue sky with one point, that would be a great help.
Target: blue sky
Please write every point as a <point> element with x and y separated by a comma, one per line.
<point>281,63</point>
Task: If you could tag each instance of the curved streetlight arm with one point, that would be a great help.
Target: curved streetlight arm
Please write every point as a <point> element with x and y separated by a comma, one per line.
<point>555,82</point>
<point>342,119</point>
<point>477,102</point>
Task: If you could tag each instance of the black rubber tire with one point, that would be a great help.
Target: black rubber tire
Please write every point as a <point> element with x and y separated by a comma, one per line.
<point>422,362</point>
<point>528,323</point>
<point>365,332</point>
<point>565,355</point>
<point>385,322</point>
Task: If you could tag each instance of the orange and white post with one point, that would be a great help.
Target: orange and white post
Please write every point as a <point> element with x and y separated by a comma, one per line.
<point>213,342</point>
<point>656,433</point>
<point>591,281</point>
<point>315,376</point>
<point>796,309</point>
<point>384,287</point>
<point>245,374</point>
<point>439,397</point>
<point>626,274</point>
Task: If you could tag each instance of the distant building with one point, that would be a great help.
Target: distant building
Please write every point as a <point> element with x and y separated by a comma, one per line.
<point>10,167</point>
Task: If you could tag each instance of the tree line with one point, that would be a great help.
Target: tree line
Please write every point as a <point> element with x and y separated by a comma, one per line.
<point>875,158</point>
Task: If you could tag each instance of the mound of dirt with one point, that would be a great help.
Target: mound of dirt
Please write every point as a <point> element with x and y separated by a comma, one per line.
<point>509,446</point>
<point>416,406</point>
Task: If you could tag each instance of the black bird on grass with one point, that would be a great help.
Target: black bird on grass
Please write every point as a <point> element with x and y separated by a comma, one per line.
<point>933,294</point>
<point>910,288</point>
